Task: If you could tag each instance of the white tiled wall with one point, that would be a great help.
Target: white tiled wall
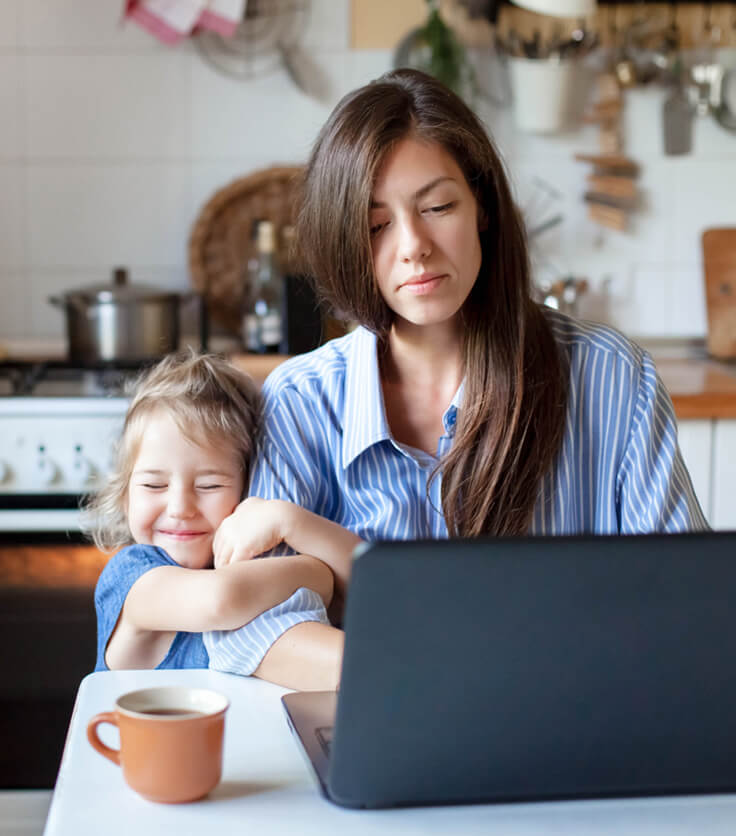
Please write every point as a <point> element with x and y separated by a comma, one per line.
<point>110,143</point>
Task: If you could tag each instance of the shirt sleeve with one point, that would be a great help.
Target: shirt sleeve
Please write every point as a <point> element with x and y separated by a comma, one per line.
<point>113,586</point>
<point>655,491</point>
<point>241,651</point>
<point>294,460</point>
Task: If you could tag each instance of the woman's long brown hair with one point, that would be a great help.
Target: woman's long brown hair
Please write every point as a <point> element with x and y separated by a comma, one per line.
<point>511,421</point>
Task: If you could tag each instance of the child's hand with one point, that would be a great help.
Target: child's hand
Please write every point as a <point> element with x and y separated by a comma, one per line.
<point>255,526</point>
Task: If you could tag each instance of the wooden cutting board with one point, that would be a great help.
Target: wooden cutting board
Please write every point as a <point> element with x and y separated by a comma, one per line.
<point>719,271</point>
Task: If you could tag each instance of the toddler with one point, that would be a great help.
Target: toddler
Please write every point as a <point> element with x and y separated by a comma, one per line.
<point>182,467</point>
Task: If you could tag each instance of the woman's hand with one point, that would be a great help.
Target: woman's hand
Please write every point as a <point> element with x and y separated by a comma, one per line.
<point>255,526</point>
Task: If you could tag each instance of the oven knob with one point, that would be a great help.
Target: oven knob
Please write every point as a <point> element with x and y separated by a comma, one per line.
<point>47,471</point>
<point>83,470</point>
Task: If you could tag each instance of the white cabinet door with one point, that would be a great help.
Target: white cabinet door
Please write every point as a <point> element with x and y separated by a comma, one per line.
<point>724,475</point>
<point>696,444</point>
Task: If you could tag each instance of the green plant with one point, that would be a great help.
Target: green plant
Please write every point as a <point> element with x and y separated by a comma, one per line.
<point>435,49</point>
<point>447,58</point>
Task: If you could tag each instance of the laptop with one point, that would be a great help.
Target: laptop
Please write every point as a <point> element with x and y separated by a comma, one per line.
<point>529,669</point>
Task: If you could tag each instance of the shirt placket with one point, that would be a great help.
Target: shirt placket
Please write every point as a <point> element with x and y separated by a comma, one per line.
<point>439,526</point>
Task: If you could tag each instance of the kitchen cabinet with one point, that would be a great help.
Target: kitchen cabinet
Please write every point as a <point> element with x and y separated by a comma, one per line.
<point>709,450</point>
<point>724,475</point>
<point>696,443</point>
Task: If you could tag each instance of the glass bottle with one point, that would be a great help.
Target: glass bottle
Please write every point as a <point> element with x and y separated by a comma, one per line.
<point>248,319</point>
<point>264,326</point>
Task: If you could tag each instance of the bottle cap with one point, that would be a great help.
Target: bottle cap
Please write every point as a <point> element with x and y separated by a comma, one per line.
<point>266,237</point>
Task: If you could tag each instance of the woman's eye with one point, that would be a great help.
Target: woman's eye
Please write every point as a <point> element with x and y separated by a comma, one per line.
<point>444,207</point>
<point>209,487</point>
<point>153,487</point>
<point>376,226</point>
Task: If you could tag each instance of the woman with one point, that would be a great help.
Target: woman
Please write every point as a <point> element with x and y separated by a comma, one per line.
<point>460,407</point>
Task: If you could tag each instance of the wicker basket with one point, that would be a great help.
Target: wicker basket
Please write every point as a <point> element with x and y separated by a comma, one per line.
<point>221,241</point>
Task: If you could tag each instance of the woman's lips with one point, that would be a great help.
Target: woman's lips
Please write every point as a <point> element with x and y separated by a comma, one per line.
<point>426,283</point>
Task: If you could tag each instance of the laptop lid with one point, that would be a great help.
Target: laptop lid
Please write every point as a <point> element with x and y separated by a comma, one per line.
<point>512,669</point>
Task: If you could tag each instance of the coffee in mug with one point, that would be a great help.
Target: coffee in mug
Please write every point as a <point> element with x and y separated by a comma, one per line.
<point>170,741</point>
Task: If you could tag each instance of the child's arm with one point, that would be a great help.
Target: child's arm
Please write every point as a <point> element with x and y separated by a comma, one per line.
<point>194,600</point>
<point>168,599</point>
<point>258,525</point>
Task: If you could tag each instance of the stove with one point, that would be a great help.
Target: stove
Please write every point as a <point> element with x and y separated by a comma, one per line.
<point>58,427</point>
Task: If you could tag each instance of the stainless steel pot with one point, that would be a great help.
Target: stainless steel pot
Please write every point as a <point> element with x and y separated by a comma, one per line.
<point>121,322</point>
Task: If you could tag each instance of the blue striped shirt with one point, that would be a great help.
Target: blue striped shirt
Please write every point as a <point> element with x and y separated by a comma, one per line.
<point>327,445</point>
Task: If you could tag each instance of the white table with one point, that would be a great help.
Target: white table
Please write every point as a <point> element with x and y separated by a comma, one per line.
<point>267,787</point>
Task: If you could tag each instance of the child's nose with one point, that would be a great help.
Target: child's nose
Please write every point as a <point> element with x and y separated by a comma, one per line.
<point>181,502</point>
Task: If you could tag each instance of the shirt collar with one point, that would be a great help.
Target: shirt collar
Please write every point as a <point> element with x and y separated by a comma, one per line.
<point>364,418</point>
<point>449,419</point>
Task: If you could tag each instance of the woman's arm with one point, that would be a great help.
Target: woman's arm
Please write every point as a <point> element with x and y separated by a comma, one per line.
<point>307,657</point>
<point>655,490</point>
<point>259,525</point>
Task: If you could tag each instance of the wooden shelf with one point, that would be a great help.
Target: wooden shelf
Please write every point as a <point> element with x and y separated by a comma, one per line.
<point>381,24</point>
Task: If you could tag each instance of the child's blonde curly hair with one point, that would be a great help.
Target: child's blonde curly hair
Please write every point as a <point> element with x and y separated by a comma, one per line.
<point>211,401</point>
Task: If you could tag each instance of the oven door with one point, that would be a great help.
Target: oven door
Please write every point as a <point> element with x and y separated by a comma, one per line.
<point>37,512</point>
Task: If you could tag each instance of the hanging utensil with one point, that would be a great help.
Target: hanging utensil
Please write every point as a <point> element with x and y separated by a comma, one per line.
<point>678,112</point>
<point>724,110</point>
<point>265,41</point>
<point>304,72</point>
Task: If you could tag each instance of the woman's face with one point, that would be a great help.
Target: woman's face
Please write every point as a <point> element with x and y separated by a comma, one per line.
<point>180,492</point>
<point>424,234</point>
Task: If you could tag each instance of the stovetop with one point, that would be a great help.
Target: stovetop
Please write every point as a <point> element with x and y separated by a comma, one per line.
<point>59,378</point>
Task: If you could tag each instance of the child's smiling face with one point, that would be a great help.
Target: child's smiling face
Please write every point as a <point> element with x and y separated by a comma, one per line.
<point>180,492</point>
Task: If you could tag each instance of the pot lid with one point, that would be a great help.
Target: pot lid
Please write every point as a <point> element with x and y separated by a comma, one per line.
<point>120,290</point>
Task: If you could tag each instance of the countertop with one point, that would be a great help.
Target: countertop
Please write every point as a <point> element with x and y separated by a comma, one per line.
<point>700,386</point>
<point>267,787</point>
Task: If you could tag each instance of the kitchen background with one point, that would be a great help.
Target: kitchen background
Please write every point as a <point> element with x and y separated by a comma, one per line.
<point>111,142</point>
<point>110,145</point>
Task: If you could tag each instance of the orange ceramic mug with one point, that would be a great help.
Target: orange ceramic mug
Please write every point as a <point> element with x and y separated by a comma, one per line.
<point>170,741</point>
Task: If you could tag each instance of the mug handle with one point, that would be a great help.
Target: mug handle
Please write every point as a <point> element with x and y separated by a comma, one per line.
<point>98,719</point>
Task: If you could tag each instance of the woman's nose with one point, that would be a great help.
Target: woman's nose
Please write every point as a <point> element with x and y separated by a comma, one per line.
<point>414,244</point>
